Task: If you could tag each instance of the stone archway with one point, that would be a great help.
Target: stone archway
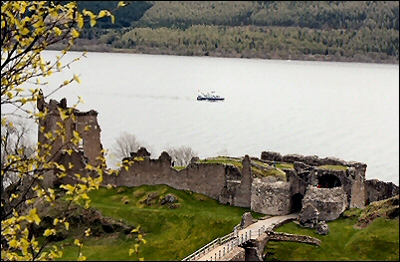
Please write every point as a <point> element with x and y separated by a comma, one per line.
<point>329,181</point>
<point>296,203</point>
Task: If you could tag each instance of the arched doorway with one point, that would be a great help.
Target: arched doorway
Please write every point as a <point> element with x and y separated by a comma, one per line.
<point>329,181</point>
<point>296,203</point>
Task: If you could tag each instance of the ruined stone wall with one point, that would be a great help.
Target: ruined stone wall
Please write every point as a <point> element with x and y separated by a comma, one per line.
<point>243,194</point>
<point>270,197</point>
<point>89,129</point>
<point>297,184</point>
<point>85,124</point>
<point>330,202</point>
<point>206,179</point>
<point>378,190</point>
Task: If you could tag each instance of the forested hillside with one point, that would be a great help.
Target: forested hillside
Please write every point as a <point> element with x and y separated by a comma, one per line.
<point>363,31</point>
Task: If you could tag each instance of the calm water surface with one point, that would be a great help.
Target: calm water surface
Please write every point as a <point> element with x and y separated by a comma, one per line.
<point>344,110</point>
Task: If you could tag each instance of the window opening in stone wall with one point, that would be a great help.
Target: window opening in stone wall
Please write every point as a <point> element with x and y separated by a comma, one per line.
<point>328,181</point>
<point>80,145</point>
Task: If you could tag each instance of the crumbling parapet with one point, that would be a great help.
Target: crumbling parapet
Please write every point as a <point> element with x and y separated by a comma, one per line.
<point>243,193</point>
<point>377,190</point>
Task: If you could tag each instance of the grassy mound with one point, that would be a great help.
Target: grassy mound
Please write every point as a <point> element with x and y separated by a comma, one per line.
<point>371,233</point>
<point>388,208</point>
<point>176,223</point>
<point>172,230</point>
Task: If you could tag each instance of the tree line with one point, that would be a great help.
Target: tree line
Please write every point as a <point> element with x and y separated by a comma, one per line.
<point>363,31</point>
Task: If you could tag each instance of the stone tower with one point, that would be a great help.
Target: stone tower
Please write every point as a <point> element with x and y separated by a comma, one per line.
<point>89,149</point>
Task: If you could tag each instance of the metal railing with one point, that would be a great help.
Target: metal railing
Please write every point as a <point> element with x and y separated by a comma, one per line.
<point>232,240</point>
<point>210,246</point>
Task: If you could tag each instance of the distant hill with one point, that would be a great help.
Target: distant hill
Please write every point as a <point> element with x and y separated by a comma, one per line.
<point>355,31</point>
<point>311,14</point>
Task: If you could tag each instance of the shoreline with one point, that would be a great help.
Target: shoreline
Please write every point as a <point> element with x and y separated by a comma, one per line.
<point>154,51</point>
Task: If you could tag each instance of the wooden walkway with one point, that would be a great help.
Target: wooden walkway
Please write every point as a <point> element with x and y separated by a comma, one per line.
<point>220,247</point>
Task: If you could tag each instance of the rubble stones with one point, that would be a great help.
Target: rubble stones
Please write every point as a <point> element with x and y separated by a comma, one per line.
<point>308,216</point>
<point>330,202</point>
<point>247,220</point>
<point>271,156</point>
<point>322,228</point>
<point>168,199</point>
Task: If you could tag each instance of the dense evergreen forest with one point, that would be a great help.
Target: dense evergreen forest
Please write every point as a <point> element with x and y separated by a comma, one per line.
<point>358,31</point>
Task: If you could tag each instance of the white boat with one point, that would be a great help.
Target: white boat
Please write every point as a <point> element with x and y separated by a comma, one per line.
<point>209,96</point>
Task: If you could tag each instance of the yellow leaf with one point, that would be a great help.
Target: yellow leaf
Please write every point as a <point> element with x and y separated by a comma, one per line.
<point>63,114</point>
<point>76,135</point>
<point>112,19</point>
<point>76,242</point>
<point>55,222</point>
<point>48,232</point>
<point>92,22</point>
<point>66,224</point>
<point>53,13</point>
<point>57,31</point>
<point>33,215</point>
<point>69,151</point>
<point>135,230</point>
<point>121,3</point>
<point>102,14</point>
<point>131,251</point>
<point>76,78</point>
<point>24,31</point>
<point>75,33</point>
<point>80,21</point>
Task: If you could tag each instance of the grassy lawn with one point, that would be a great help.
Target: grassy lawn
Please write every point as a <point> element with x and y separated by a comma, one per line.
<point>333,167</point>
<point>379,241</point>
<point>171,234</point>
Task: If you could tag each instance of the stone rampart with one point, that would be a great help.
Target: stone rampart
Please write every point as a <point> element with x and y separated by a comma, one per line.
<point>201,178</point>
<point>377,190</point>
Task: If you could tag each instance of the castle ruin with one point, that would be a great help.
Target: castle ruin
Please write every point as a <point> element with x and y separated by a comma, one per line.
<point>309,181</point>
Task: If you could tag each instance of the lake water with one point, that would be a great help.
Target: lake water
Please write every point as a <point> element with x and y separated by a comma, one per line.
<point>344,110</point>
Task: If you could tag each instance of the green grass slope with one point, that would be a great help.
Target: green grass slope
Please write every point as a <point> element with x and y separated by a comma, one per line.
<point>172,231</point>
<point>377,240</point>
<point>175,230</point>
